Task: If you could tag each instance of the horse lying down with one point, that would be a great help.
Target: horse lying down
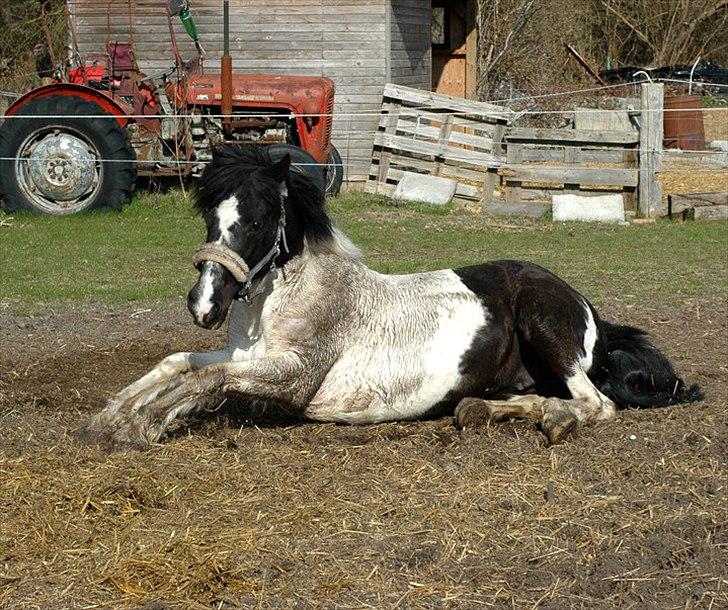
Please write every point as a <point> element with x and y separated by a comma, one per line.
<point>313,329</point>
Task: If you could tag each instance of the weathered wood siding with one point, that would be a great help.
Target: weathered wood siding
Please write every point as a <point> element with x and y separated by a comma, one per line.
<point>346,40</point>
<point>410,54</point>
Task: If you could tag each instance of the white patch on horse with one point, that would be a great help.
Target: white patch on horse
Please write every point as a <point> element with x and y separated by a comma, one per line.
<point>590,339</point>
<point>204,303</point>
<point>227,216</point>
<point>589,403</point>
<point>245,330</point>
<point>458,323</point>
<point>384,375</point>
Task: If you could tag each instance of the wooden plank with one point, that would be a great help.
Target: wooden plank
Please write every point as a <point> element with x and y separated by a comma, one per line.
<point>426,132</point>
<point>564,175</point>
<point>556,153</point>
<point>713,212</point>
<point>451,169</point>
<point>557,136</point>
<point>438,100</point>
<point>471,50</point>
<point>498,135</point>
<point>514,158</point>
<point>492,180</point>
<point>572,158</point>
<point>630,158</point>
<point>461,155</point>
<point>443,141</point>
<point>649,203</point>
<point>545,194</point>
<point>480,127</point>
<point>393,112</point>
<point>678,202</point>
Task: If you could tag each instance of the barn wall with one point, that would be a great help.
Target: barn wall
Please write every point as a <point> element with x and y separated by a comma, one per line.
<point>410,56</point>
<point>345,40</point>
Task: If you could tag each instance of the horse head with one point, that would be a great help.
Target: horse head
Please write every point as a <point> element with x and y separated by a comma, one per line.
<point>258,211</point>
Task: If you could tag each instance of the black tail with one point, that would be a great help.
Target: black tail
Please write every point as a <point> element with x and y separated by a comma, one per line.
<point>638,374</point>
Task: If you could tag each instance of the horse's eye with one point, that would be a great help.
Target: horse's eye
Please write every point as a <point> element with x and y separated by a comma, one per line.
<point>256,225</point>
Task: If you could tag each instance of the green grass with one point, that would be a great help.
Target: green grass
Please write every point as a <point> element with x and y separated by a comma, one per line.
<point>143,253</point>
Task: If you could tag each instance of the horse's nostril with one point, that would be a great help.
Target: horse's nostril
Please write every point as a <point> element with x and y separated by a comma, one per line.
<point>214,311</point>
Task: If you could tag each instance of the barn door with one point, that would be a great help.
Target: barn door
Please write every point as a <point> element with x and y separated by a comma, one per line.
<point>449,47</point>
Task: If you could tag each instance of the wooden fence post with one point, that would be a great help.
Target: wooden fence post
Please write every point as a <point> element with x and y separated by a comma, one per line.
<point>649,201</point>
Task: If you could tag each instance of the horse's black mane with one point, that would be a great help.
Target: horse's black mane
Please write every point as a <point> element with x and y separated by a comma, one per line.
<point>251,167</point>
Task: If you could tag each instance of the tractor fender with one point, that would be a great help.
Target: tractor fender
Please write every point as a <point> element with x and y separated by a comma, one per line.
<point>120,110</point>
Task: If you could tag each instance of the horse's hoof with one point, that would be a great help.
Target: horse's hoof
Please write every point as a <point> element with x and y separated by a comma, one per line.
<point>89,435</point>
<point>112,434</point>
<point>473,413</point>
<point>558,424</point>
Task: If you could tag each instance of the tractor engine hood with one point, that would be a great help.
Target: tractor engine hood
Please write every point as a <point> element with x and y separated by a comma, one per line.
<point>300,94</point>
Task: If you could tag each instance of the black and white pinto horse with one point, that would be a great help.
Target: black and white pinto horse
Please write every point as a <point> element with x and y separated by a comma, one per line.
<point>312,329</point>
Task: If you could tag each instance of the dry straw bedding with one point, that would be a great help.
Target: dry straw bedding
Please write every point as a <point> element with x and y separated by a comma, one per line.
<point>245,509</point>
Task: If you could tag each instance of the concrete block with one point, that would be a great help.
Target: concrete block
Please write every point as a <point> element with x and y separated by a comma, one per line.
<point>421,187</point>
<point>602,208</point>
<point>532,209</point>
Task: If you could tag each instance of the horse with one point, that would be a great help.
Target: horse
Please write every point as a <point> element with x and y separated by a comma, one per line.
<point>314,331</point>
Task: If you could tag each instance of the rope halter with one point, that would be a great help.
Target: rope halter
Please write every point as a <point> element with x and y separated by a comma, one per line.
<point>236,265</point>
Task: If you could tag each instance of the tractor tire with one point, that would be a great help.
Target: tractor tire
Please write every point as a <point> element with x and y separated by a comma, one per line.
<point>301,161</point>
<point>67,164</point>
<point>334,173</point>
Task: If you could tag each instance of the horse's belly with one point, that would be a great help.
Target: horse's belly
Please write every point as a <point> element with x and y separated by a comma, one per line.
<point>399,377</point>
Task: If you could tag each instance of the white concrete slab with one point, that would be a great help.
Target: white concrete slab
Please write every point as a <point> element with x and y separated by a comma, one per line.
<point>602,208</point>
<point>421,187</point>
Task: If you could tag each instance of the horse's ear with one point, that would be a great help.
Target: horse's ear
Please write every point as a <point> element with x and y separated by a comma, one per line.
<point>279,170</point>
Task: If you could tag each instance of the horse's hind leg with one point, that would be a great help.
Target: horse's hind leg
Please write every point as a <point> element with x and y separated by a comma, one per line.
<point>560,328</point>
<point>588,404</point>
<point>473,412</point>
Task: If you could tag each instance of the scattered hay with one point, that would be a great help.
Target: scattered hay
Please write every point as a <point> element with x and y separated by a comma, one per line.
<point>248,510</point>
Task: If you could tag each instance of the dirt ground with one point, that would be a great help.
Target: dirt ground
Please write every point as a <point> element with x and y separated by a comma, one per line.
<point>244,508</point>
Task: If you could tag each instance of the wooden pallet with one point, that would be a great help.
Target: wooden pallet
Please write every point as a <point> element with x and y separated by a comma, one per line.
<point>439,135</point>
<point>544,162</point>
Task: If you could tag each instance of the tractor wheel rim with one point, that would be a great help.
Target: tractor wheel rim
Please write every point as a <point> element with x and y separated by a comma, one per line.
<point>59,170</point>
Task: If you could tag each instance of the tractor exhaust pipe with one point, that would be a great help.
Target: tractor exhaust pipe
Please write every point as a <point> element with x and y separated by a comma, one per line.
<point>226,73</point>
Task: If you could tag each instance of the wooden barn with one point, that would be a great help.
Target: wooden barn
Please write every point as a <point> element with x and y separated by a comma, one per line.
<point>427,44</point>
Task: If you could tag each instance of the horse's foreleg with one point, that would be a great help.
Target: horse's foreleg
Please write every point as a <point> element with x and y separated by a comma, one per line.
<point>282,378</point>
<point>165,376</point>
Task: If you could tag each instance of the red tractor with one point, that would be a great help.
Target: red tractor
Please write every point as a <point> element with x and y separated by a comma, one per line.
<point>79,142</point>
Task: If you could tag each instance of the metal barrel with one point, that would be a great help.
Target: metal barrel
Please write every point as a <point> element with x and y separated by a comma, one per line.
<point>684,127</point>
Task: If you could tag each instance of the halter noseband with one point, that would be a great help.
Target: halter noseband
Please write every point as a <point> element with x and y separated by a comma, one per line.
<point>234,263</point>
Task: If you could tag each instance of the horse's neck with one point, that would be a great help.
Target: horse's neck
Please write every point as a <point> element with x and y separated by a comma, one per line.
<point>290,283</point>
<point>338,244</point>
